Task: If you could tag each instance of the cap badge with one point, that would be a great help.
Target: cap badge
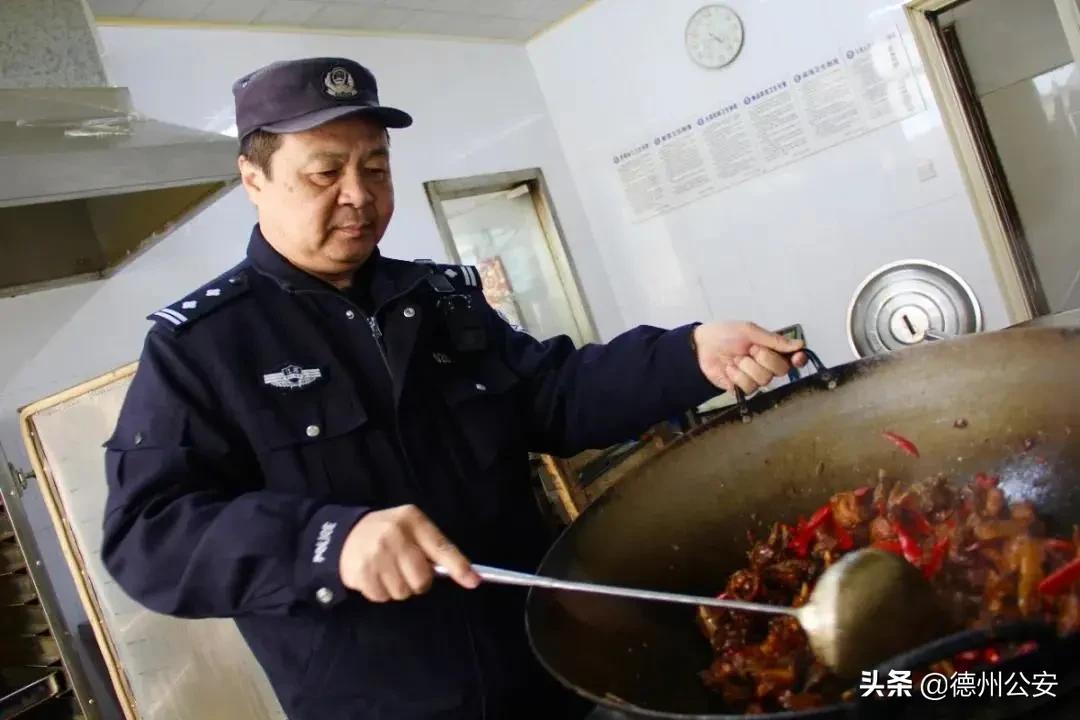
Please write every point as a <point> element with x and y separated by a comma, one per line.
<point>339,83</point>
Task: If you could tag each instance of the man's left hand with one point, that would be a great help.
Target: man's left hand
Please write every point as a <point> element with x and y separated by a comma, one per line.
<point>744,355</point>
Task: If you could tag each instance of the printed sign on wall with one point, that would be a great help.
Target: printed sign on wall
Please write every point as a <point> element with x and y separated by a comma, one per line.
<point>850,93</point>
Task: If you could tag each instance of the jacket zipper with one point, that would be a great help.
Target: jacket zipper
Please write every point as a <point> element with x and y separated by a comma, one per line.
<point>376,333</point>
<point>377,336</point>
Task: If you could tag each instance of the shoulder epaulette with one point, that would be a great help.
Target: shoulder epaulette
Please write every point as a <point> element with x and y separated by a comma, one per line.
<point>208,298</point>
<point>457,278</point>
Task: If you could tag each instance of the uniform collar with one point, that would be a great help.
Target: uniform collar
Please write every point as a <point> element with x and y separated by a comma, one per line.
<point>389,277</point>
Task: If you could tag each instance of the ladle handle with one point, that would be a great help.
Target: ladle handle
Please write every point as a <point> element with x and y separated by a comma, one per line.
<point>511,577</point>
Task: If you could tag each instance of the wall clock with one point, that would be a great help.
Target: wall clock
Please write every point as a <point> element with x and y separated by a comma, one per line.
<point>714,36</point>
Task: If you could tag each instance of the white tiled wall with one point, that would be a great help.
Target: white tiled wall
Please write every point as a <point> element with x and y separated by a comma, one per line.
<point>788,246</point>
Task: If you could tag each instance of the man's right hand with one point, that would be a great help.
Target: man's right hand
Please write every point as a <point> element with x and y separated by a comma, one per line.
<point>391,554</point>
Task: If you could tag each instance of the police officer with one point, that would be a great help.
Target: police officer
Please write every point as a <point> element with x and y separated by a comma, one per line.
<point>307,432</point>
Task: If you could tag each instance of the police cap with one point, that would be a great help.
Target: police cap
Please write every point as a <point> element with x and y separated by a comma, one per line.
<point>296,95</point>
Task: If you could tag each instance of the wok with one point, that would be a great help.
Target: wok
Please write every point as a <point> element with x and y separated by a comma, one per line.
<point>680,522</point>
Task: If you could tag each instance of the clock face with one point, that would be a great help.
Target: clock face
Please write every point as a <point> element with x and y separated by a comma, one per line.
<point>714,36</point>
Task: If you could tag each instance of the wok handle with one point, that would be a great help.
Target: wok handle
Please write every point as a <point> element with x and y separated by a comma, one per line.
<point>821,372</point>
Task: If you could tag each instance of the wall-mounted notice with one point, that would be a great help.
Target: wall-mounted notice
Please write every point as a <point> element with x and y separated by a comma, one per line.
<point>779,127</point>
<point>882,76</point>
<point>641,181</point>
<point>820,105</point>
<point>727,135</point>
<point>685,166</point>
<point>829,103</point>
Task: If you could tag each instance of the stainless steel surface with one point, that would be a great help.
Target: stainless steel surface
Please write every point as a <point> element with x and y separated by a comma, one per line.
<point>87,182</point>
<point>163,667</point>
<point>18,589</point>
<point>934,335</point>
<point>906,302</point>
<point>32,694</point>
<point>52,158</point>
<point>510,577</point>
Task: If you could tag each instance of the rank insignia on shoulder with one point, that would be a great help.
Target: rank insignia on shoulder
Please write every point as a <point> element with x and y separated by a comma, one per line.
<point>202,302</point>
<point>471,278</point>
<point>452,278</point>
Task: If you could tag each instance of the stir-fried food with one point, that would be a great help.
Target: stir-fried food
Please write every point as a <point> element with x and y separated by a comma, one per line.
<point>989,560</point>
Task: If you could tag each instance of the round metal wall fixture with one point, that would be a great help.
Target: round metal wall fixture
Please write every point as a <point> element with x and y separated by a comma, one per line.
<point>901,303</point>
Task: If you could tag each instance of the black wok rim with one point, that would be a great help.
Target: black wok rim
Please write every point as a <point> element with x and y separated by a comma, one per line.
<point>757,405</point>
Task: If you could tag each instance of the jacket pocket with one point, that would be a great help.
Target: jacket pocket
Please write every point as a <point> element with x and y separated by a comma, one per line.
<point>483,404</point>
<point>315,446</point>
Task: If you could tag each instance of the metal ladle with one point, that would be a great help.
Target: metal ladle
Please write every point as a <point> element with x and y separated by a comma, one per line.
<point>865,608</point>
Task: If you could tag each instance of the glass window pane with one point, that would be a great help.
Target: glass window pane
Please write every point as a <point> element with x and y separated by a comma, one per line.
<point>501,234</point>
<point>1028,85</point>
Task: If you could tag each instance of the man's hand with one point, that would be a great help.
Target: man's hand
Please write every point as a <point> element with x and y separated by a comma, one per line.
<point>391,554</point>
<point>744,355</point>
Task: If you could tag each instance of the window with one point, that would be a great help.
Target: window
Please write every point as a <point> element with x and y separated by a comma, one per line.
<point>504,224</point>
<point>1007,75</point>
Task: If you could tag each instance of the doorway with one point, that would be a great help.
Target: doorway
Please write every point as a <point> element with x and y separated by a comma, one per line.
<point>505,225</point>
<point>1007,77</point>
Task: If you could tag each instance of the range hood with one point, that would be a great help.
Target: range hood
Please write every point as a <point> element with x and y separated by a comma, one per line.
<point>86,182</point>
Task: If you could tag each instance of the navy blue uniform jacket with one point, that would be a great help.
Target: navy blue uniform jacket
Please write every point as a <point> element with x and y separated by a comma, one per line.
<point>269,413</point>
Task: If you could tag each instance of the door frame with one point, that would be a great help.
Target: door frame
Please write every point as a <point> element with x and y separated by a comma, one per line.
<point>994,208</point>
<point>439,191</point>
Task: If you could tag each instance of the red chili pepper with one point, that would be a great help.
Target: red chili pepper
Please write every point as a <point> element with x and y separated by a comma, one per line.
<point>1058,544</point>
<point>937,558</point>
<point>992,656</point>
<point>1029,647</point>
<point>919,523</point>
<point>901,442</point>
<point>862,491</point>
<point>804,534</point>
<point>909,545</point>
<point>1061,579</point>
<point>968,656</point>
<point>819,517</point>
<point>844,540</point>
<point>797,543</point>
<point>985,481</point>
<point>889,546</point>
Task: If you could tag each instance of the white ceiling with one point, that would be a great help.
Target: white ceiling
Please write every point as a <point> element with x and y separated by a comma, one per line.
<point>492,19</point>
